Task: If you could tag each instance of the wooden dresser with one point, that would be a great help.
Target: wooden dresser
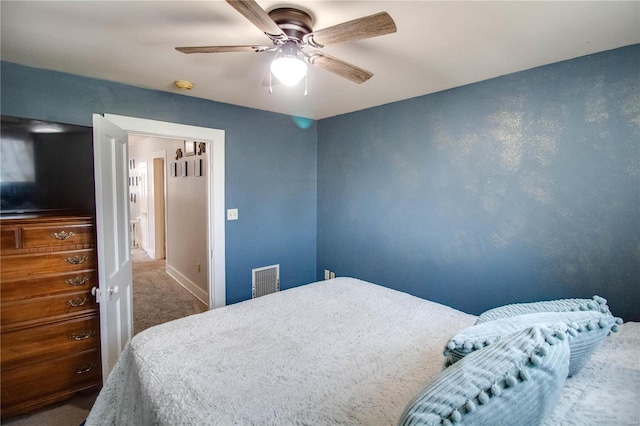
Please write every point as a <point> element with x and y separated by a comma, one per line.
<point>50,329</point>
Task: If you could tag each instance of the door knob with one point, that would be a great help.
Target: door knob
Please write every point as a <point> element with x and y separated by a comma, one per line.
<point>113,290</point>
<point>96,292</point>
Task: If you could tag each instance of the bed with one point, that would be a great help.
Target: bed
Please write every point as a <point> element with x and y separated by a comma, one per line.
<point>341,351</point>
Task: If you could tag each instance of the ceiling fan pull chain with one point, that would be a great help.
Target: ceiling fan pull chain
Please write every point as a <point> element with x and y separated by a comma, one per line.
<point>270,85</point>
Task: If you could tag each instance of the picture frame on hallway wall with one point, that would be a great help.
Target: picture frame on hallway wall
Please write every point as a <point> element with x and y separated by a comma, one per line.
<point>183,168</point>
<point>174,169</point>
<point>189,148</point>
<point>197,167</point>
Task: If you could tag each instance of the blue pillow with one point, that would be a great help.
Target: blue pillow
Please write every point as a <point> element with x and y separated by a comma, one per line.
<point>597,304</point>
<point>586,330</point>
<point>515,381</point>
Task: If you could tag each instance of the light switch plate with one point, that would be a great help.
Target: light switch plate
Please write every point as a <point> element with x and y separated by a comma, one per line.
<point>232,214</point>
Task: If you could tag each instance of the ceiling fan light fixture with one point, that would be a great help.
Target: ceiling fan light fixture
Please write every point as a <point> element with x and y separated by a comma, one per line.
<point>288,67</point>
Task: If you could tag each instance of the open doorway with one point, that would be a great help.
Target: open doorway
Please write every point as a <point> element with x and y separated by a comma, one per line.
<point>111,156</point>
<point>168,207</point>
<point>215,178</point>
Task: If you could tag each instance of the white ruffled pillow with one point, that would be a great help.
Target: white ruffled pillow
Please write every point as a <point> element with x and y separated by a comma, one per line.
<point>515,381</point>
<point>586,330</point>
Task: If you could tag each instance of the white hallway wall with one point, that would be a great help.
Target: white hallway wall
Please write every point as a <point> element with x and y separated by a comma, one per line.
<point>186,211</point>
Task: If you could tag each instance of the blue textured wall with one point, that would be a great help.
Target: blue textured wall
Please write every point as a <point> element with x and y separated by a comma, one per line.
<point>519,188</point>
<point>270,163</point>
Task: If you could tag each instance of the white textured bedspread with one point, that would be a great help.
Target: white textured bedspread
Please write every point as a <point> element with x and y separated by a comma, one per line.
<point>341,351</point>
<point>607,390</point>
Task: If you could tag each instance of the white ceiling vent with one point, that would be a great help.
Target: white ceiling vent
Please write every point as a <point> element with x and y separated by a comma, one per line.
<point>265,280</point>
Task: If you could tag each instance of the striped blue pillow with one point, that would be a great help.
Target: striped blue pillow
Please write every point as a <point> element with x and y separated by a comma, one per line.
<point>515,381</point>
<point>597,303</point>
<point>586,330</point>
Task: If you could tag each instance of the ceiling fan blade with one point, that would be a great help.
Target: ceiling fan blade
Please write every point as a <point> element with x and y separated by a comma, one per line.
<point>338,67</point>
<point>257,16</point>
<point>222,49</point>
<point>366,27</point>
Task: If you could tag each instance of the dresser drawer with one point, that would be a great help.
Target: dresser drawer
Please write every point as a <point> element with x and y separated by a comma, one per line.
<point>48,285</point>
<point>27,265</point>
<point>41,343</point>
<point>30,386</point>
<point>26,311</point>
<point>55,235</point>
<point>10,237</point>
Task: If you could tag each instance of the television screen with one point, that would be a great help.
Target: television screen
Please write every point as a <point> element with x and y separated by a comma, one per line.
<point>45,167</point>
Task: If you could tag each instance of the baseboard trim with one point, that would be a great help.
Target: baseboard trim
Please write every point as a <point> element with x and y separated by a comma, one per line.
<point>188,285</point>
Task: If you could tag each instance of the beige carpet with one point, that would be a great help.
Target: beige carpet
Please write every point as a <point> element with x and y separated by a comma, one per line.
<point>69,413</point>
<point>157,298</point>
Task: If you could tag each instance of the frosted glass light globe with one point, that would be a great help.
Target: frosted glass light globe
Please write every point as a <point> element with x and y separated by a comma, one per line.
<point>289,69</point>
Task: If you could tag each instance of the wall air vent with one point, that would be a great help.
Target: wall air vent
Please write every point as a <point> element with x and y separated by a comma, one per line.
<point>265,280</point>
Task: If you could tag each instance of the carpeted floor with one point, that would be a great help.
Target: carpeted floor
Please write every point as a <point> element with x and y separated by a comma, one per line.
<point>157,298</point>
<point>69,413</point>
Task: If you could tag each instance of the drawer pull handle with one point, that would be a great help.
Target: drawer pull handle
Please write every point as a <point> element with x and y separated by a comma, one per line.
<point>78,301</point>
<point>77,281</point>
<point>76,260</point>
<point>62,235</point>
<point>84,368</point>
<point>82,335</point>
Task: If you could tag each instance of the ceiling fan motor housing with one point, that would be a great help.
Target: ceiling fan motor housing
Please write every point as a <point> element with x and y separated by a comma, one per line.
<point>294,22</point>
<point>290,50</point>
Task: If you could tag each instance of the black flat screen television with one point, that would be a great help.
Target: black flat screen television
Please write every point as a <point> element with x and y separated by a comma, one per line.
<point>45,167</point>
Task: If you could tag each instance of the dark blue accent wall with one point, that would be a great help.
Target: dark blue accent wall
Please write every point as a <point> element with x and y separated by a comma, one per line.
<point>270,163</point>
<point>520,188</point>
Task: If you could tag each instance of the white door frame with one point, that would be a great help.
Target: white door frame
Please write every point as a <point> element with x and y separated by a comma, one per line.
<point>215,139</point>
<point>162,155</point>
<point>143,200</point>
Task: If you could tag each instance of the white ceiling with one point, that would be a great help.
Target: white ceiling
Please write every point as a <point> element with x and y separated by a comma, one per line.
<point>439,45</point>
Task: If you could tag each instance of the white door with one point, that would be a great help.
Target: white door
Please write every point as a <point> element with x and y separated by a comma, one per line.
<point>110,151</point>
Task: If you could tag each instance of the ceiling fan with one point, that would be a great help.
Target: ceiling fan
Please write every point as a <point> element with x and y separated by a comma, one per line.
<point>290,30</point>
